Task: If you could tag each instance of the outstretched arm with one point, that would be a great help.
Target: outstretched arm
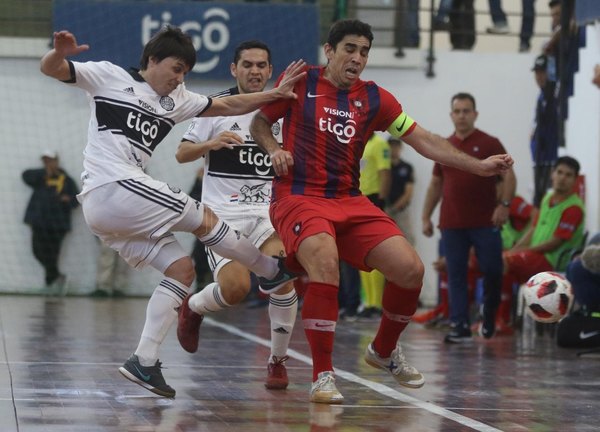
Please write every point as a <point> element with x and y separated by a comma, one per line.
<point>245,103</point>
<point>435,147</point>
<point>54,62</point>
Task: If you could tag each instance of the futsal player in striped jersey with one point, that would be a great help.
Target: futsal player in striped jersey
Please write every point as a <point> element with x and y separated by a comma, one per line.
<point>319,212</point>
<point>237,187</point>
<point>131,113</point>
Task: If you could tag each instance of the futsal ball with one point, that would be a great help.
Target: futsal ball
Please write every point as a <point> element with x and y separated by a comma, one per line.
<point>548,297</point>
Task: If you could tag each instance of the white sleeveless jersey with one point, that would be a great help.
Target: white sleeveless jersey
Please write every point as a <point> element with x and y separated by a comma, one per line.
<point>236,182</point>
<point>128,120</point>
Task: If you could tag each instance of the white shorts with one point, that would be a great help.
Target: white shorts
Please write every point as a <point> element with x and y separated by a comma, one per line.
<point>137,218</point>
<point>257,229</point>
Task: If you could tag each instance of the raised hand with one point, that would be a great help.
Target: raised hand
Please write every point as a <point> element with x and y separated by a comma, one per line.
<point>292,74</point>
<point>65,44</point>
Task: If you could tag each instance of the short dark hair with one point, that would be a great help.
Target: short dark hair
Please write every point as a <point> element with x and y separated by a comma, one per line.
<point>342,28</point>
<point>170,41</point>
<point>250,44</point>
<point>463,96</point>
<point>568,161</point>
<point>553,3</point>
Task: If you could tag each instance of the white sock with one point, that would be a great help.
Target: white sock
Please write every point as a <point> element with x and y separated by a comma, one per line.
<point>160,315</point>
<point>210,299</point>
<point>282,312</point>
<point>229,244</point>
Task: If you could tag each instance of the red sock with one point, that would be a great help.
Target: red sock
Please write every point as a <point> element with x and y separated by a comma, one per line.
<point>319,316</point>
<point>399,305</point>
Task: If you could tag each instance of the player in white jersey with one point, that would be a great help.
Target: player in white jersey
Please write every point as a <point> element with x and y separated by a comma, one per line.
<point>237,187</point>
<point>132,111</point>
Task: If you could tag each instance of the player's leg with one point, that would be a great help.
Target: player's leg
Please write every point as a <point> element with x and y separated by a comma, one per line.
<point>283,307</point>
<point>403,270</point>
<point>319,256</point>
<point>143,367</point>
<point>226,242</point>
<point>306,229</point>
<point>231,287</point>
<point>135,217</point>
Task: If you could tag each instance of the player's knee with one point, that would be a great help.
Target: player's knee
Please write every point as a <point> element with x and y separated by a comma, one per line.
<point>235,292</point>
<point>182,270</point>
<point>410,275</point>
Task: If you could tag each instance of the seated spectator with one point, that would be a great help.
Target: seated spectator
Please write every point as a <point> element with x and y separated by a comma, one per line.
<point>558,228</point>
<point>581,328</point>
<point>584,274</point>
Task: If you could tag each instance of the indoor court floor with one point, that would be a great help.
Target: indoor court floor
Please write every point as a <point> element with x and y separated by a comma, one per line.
<point>59,360</point>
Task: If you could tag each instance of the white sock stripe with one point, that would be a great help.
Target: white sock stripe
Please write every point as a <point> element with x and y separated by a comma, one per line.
<point>168,284</point>
<point>210,257</point>
<point>287,302</point>
<point>222,231</point>
<point>218,298</point>
<point>153,195</point>
<point>397,318</point>
<point>319,325</point>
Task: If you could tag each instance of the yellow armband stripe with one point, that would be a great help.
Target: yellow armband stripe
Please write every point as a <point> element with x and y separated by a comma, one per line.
<point>401,125</point>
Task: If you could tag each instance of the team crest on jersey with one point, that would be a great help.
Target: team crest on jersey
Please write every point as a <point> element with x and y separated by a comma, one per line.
<point>358,104</point>
<point>167,103</point>
<point>297,228</point>
<point>174,189</point>
<point>253,194</point>
<point>275,128</point>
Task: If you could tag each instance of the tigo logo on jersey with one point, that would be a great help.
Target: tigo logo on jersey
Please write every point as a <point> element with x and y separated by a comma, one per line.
<point>149,130</point>
<point>343,131</point>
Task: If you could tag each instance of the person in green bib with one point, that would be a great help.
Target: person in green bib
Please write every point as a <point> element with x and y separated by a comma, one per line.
<point>558,228</point>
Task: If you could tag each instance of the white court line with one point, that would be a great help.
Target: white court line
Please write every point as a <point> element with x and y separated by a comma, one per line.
<point>379,388</point>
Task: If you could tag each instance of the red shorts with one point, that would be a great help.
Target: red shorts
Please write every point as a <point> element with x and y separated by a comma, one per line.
<point>522,265</point>
<point>355,223</point>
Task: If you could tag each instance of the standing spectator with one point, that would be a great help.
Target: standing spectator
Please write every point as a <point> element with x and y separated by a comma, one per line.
<point>465,225</point>
<point>544,138</point>
<point>501,24</point>
<point>401,190</point>
<point>321,215</point>
<point>48,214</point>
<point>527,24</point>
<point>237,186</point>
<point>406,26</point>
<point>441,20</point>
<point>375,181</point>
<point>462,25</point>
<point>111,273</point>
<point>131,113</point>
<point>498,18</point>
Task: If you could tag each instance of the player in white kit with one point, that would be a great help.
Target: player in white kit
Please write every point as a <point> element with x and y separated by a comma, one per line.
<point>131,112</point>
<point>237,187</point>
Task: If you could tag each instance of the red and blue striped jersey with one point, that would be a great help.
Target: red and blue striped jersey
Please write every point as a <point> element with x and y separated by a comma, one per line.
<point>326,130</point>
